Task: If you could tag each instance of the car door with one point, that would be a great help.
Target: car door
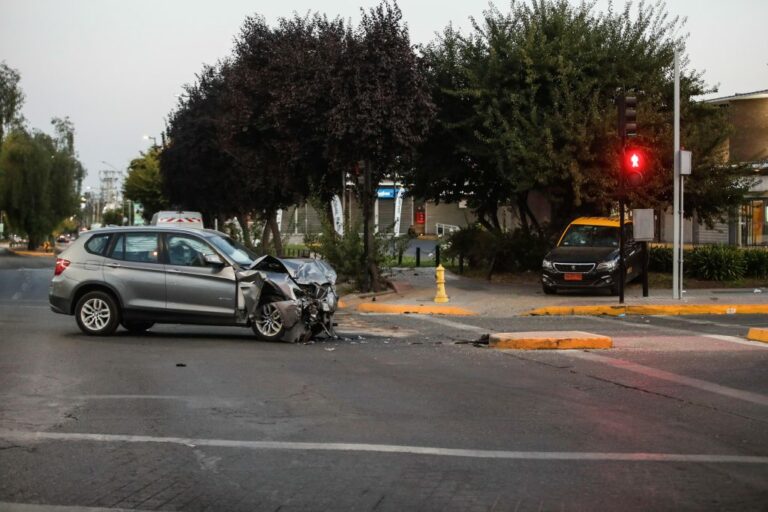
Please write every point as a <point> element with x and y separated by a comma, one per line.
<point>134,270</point>
<point>196,287</point>
<point>632,253</point>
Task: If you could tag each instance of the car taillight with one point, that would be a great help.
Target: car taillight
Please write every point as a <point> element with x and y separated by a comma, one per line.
<point>61,266</point>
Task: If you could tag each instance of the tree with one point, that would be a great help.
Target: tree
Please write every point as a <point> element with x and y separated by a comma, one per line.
<point>197,173</point>
<point>528,97</point>
<point>382,109</point>
<point>11,99</point>
<point>144,183</point>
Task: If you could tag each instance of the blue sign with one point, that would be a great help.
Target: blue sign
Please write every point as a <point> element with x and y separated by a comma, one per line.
<point>386,192</point>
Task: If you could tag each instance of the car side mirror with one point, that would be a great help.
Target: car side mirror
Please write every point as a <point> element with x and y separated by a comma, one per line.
<point>214,260</point>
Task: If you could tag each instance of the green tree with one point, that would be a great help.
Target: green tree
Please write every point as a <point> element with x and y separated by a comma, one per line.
<point>11,99</point>
<point>382,109</point>
<point>528,97</point>
<point>144,183</point>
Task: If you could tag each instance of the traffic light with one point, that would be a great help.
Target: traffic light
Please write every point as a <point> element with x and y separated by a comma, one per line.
<point>634,166</point>
<point>627,106</point>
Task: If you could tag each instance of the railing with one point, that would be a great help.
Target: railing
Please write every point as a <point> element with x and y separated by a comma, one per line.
<point>445,229</point>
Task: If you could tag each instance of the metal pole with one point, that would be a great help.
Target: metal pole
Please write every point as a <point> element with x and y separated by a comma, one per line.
<point>622,265</point>
<point>676,206</point>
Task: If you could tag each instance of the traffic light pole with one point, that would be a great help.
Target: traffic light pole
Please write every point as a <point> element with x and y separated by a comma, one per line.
<point>677,206</point>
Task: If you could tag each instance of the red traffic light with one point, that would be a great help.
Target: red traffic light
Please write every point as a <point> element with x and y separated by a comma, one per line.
<point>635,165</point>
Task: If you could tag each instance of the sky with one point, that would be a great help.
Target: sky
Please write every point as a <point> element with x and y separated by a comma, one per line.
<point>115,66</point>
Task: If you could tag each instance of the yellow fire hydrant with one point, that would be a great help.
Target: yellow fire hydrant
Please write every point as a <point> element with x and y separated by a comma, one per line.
<point>440,296</point>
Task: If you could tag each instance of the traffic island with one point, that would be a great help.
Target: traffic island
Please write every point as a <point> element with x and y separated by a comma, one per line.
<point>415,309</point>
<point>549,340</point>
<point>758,334</point>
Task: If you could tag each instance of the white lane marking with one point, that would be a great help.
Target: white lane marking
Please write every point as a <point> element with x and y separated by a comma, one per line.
<point>30,507</point>
<point>735,339</point>
<point>629,366</point>
<point>441,321</point>
<point>24,436</point>
<point>720,337</point>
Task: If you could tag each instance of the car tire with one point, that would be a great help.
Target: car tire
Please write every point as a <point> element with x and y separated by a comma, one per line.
<point>549,290</point>
<point>97,314</point>
<point>137,327</point>
<point>269,325</point>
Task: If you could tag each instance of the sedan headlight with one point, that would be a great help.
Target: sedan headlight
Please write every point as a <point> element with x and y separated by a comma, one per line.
<point>608,265</point>
<point>547,265</point>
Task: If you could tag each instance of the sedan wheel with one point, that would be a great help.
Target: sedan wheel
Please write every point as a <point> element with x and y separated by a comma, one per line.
<point>269,326</point>
<point>97,314</point>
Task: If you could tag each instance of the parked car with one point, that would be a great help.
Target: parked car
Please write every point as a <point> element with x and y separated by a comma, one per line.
<point>139,276</point>
<point>587,256</point>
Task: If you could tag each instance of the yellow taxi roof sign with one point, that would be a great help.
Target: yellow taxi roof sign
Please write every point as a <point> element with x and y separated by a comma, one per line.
<point>600,221</point>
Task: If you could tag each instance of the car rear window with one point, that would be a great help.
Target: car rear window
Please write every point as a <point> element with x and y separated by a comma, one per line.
<point>139,247</point>
<point>96,244</point>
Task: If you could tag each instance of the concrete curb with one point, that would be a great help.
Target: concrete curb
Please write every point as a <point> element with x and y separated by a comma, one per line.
<point>549,340</point>
<point>418,309</point>
<point>757,334</point>
<point>652,309</point>
<point>32,253</point>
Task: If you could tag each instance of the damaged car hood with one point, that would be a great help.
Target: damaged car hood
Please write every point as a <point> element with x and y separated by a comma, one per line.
<point>303,271</point>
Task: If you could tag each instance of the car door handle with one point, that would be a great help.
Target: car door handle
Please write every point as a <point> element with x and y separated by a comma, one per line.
<point>174,270</point>
<point>114,265</point>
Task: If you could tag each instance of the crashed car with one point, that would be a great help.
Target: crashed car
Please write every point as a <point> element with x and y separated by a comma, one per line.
<point>139,276</point>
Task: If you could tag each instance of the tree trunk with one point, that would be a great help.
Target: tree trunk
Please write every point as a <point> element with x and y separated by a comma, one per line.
<point>276,239</point>
<point>243,220</point>
<point>370,270</point>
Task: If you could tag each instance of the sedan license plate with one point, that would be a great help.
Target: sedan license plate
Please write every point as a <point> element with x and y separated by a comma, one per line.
<point>573,277</point>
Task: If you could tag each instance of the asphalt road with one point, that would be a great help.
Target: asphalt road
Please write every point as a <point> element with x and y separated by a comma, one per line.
<point>404,413</point>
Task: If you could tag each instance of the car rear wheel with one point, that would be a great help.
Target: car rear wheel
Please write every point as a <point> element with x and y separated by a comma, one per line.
<point>269,325</point>
<point>136,327</point>
<point>97,314</point>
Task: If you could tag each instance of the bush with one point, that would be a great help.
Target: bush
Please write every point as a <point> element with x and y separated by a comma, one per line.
<point>756,262</point>
<point>507,252</point>
<point>716,263</point>
<point>345,253</point>
<point>660,259</point>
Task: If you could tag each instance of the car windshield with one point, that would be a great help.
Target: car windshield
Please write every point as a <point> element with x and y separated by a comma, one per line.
<point>234,250</point>
<point>590,236</point>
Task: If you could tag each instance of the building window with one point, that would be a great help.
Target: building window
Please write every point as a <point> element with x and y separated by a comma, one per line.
<point>754,229</point>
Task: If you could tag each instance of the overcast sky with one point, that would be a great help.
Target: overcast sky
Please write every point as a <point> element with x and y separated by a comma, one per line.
<point>115,66</point>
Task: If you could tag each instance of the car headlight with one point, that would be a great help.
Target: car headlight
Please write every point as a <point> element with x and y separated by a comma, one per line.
<point>608,265</point>
<point>546,264</point>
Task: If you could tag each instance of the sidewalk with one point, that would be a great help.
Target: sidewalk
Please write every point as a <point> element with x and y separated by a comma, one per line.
<point>474,296</point>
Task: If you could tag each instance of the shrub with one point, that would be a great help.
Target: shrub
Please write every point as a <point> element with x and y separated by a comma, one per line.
<point>507,252</point>
<point>660,259</point>
<point>756,262</point>
<point>716,263</point>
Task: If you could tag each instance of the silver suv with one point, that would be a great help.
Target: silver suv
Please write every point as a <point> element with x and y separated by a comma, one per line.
<point>139,276</point>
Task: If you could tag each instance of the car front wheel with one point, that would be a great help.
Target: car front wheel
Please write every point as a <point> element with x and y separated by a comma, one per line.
<point>97,314</point>
<point>269,326</point>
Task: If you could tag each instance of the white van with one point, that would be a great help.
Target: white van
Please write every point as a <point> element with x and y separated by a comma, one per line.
<point>178,219</point>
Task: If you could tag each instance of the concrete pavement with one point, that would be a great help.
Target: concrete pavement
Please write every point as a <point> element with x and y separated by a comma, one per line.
<point>479,297</point>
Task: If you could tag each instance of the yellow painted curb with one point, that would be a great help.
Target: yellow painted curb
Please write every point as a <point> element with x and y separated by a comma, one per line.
<point>669,309</point>
<point>372,307</point>
<point>757,334</point>
<point>32,253</point>
<point>341,304</point>
<point>549,340</point>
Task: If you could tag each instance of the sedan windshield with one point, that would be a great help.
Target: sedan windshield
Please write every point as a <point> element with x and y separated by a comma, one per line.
<point>591,236</point>
<point>236,251</point>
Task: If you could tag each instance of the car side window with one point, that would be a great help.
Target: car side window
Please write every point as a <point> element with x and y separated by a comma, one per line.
<point>138,247</point>
<point>97,244</point>
<point>187,251</point>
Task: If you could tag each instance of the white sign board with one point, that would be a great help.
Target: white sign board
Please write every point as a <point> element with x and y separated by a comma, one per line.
<point>685,162</point>
<point>338,215</point>
<point>398,209</point>
<point>642,221</point>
